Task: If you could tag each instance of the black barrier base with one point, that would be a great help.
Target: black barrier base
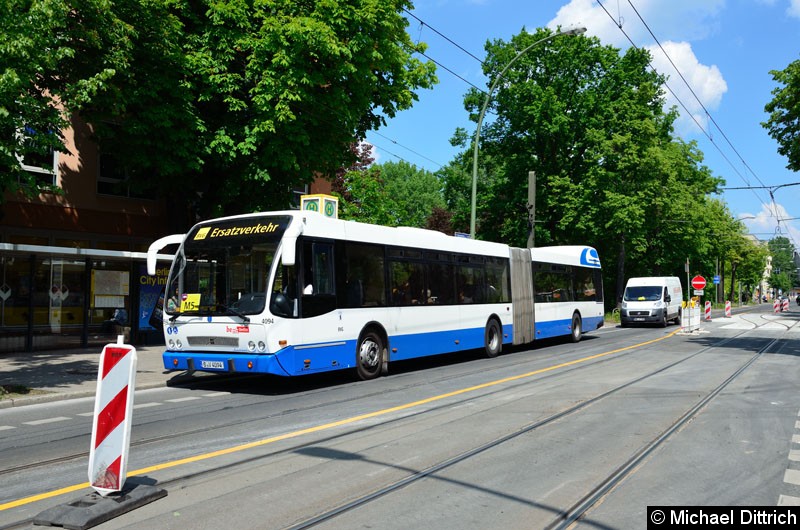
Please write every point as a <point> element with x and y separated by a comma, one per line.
<point>94,509</point>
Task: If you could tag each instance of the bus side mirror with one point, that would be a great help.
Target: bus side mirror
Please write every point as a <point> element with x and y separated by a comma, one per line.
<point>156,246</point>
<point>280,306</point>
<point>288,253</point>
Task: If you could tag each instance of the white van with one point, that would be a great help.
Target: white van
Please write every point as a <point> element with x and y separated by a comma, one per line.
<point>652,300</point>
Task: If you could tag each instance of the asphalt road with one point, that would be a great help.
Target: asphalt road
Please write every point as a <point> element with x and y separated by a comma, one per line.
<point>518,441</point>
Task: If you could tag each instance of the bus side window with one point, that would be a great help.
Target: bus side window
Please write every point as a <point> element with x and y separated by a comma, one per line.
<point>360,275</point>
<point>283,301</point>
<point>407,280</point>
<point>319,292</point>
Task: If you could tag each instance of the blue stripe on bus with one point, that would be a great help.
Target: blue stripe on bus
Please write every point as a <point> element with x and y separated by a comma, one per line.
<point>560,328</point>
<point>333,356</point>
<point>341,355</point>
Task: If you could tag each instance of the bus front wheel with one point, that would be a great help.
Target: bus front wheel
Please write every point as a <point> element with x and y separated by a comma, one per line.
<point>577,328</point>
<point>493,339</point>
<point>369,356</point>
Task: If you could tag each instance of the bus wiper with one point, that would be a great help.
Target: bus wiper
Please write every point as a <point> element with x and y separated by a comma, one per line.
<point>236,312</point>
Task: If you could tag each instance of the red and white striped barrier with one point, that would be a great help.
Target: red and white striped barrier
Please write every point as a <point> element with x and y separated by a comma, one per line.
<point>776,305</point>
<point>708,311</point>
<point>785,304</point>
<point>111,427</point>
<point>727,309</point>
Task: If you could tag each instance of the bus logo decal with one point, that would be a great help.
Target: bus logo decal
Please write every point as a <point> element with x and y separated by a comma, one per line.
<point>590,258</point>
<point>202,233</point>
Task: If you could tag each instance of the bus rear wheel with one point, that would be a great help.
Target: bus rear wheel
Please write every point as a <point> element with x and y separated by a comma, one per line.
<point>577,328</point>
<point>492,338</point>
<point>369,355</point>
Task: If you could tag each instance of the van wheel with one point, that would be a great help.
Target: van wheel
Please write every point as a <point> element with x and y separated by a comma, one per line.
<point>678,318</point>
<point>577,328</point>
<point>369,355</point>
<point>492,339</point>
<point>664,320</point>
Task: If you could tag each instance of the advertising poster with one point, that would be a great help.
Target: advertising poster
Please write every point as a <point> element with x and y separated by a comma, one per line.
<point>151,297</point>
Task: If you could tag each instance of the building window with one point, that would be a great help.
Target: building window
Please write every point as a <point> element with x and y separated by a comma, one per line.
<point>39,159</point>
<point>116,179</point>
<point>297,192</point>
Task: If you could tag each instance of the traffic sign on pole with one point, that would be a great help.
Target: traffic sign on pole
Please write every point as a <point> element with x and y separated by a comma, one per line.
<point>698,282</point>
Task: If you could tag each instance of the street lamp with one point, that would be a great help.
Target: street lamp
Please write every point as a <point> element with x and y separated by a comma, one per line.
<point>573,31</point>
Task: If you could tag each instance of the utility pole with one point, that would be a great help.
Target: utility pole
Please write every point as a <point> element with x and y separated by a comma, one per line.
<point>531,206</point>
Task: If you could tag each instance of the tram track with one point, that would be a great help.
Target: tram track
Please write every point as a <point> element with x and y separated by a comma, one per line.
<point>578,509</point>
<point>570,515</point>
<point>65,459</point>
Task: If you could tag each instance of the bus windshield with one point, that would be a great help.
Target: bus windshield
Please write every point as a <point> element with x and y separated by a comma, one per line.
<point>223,268</point>
<point>649,293</point>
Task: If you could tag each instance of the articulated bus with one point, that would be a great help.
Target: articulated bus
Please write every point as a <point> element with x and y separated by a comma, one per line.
<point>296,292</point>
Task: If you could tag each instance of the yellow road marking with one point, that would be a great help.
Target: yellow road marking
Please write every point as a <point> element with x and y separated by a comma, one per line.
<point>326,426</point>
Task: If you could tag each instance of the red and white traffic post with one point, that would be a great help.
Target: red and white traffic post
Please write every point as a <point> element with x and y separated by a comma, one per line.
<point>111,427</point>
<point>727,309</point>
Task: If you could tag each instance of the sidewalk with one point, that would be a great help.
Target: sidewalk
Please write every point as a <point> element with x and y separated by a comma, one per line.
<point>53,375</point>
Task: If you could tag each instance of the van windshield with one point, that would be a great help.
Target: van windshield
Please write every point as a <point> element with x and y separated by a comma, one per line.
<point>643,293</point>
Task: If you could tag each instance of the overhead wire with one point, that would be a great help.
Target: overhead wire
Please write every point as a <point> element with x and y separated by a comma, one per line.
<point>424,24</point>
<point>699,101</point>
<point>772,206</point>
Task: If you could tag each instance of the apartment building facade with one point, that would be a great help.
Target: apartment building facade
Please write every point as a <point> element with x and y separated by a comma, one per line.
<point>73,259</point>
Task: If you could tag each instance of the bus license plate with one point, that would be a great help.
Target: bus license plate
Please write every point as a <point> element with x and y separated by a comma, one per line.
<point>639,319</point>
<point>217,365</point>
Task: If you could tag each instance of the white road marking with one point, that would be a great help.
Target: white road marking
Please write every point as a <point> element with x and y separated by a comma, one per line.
<point>46,420</point>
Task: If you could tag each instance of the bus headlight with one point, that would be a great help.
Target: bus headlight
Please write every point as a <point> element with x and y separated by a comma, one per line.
<point>171,344</point>
<point>261,346</point>
<point>251,346</point>
<point>179,344</point>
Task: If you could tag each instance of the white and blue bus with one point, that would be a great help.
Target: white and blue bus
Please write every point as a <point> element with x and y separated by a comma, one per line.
<point>296,292</point>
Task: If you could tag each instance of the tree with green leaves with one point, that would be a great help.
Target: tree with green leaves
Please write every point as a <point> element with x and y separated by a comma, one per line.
<point>55,56</point>
<point>589,121</point>
<point>784,113</point>
<point>224,106</point>
<point>784,272</point>
<point>751,265</point>
<point>391,194</point>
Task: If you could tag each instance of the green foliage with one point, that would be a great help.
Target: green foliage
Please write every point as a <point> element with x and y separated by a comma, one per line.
<point>224,105</point>
<point>784,113</point>
<point>589,121</point>
<point>391,194</point>
<point>46,57</point>
<point>784,273</point>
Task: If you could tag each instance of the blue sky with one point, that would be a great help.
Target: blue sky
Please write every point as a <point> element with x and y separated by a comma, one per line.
<point>724,49</point>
